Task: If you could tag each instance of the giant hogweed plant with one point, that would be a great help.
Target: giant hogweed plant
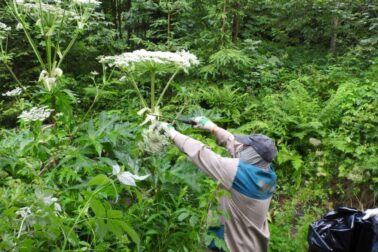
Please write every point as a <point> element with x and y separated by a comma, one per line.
<point>141,65</point>
<point>51,29</point>
<point>47,21</point>
<point>147,64</point>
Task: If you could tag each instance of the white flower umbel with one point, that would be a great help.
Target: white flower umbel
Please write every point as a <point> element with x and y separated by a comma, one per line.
<point>36,114</point>
<point>53,8</point>
<point>24,212</point>
<point>87,2</point>
<point>183,59</point>
<point>126,177</point>
<point>15,92</point>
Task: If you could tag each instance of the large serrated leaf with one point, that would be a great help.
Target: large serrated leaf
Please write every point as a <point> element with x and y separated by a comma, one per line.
<point>98,180</point>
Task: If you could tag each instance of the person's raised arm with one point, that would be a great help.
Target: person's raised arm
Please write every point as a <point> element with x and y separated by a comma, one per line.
<point>221,168</point>
<point>223,137</point>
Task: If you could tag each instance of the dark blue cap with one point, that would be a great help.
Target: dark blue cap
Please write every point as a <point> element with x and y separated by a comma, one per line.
<point>262,144</point>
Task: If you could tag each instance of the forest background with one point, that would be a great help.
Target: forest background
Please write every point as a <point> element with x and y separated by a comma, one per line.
<point>304,72</point>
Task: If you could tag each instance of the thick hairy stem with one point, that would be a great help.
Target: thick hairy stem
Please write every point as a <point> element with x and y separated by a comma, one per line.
<point>166,86</point>
<point>58,37</point>
<point>30,40</point>
<point>142,100</point>
<point>72,42</point>
<point>153,75</point>
<point>48,54</point>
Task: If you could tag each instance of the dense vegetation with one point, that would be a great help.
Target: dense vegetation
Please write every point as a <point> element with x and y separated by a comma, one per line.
<point>304,72</point>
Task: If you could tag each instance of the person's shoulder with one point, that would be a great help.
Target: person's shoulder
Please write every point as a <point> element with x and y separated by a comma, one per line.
<point>254,182</point>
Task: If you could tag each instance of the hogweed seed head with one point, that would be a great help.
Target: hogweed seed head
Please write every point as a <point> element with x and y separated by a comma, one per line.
<point>153,141</point>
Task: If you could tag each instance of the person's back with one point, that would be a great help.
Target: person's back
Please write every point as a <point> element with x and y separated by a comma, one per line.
<point>249,178</point>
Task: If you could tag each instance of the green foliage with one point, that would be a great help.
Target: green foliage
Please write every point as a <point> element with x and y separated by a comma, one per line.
<point>302,72</point>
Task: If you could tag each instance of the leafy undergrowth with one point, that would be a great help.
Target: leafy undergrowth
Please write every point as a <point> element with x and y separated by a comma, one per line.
<point>80,169</point>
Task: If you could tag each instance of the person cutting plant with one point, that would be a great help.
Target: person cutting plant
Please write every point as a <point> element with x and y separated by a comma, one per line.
<point>247,175</point>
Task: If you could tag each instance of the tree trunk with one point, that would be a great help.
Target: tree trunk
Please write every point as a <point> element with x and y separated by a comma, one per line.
<point>223,28</point>
<point>169,26</point>
<point>236,23</point>
<point>119,18</point>
<point>168,22</point>
<point>129,30</point>
<point>114,12</point>
<point>332,44</point>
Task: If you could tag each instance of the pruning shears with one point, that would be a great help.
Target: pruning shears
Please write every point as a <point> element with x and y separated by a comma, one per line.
<point>186,121</point>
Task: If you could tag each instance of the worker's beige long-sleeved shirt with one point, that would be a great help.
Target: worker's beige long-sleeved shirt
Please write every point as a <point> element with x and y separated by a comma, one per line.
<point>251,188</point>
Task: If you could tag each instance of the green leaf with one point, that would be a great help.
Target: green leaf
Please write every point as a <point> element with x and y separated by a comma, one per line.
<point>115,214</point>
<point>101,228</point>
<point>98,147</point>
<point>193,220</point>
<point>115,226</point>
<point>99,180</point>
<point>183,216</point>
<point>72,238</point>
<point>98,208</point>
<point>131,232</point>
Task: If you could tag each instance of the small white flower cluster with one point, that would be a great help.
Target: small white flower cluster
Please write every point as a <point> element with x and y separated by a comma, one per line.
<point>87,2</point>
<point>36,114</point>
<point>4,27</point>
<point>15,92</point>
<point>126,177</point>
<point>183,59</point>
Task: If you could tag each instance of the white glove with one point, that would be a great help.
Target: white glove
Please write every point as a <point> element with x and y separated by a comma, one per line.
<point>370,213</point>
<point>168,128</point>
<point>203,123</point>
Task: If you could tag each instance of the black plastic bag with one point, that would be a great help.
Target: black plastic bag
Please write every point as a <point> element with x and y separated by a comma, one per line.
<point>344,230</point>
